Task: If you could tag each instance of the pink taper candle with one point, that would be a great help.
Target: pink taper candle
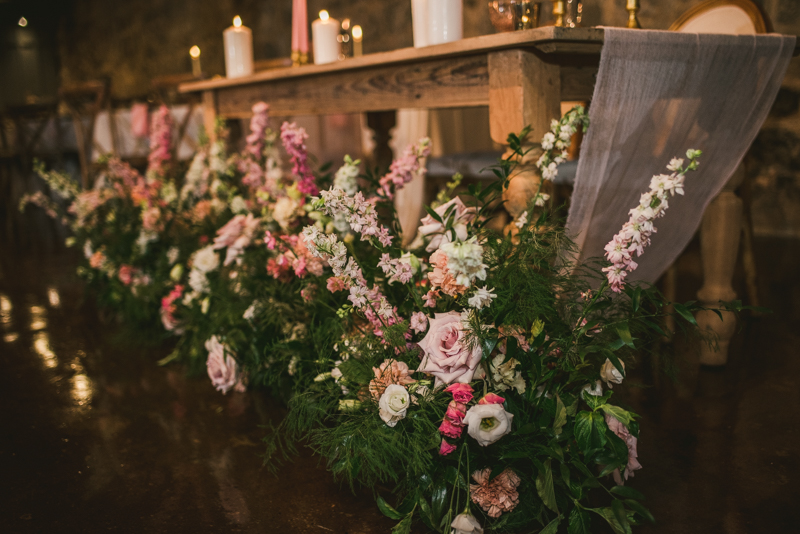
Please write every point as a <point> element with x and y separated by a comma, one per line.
<point>299,31</point>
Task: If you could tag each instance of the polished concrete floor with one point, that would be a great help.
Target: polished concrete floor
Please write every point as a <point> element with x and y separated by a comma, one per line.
<point>95,437</point>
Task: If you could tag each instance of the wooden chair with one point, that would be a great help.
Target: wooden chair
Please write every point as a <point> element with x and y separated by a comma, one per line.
<point>726,219</point>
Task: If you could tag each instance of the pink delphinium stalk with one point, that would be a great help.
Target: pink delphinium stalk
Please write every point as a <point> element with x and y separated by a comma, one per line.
<point>635,234</point>
<point>160,141</point>
<point>403,169</point>
<point>294,141</point>
<point>259,123</point>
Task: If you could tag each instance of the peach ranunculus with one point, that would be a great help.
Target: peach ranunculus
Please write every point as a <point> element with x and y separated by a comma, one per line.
<point>624,434</point>
<point>431,227</point>
<point>441,277</point>
<point>497,496</point>
<point>389,372</point>
<point>447,355</point>
<point>97,260</point>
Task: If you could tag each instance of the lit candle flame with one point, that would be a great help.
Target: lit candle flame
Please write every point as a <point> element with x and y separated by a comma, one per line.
<point>357,34</point>
<point>323,15</point>
<point>237,21</point>
<point>22,22</point>
<point>194,52</point>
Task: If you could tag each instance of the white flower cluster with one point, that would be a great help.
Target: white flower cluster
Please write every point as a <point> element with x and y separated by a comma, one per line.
<point>465,261</point>
<point>204,261</point>
<point>361,214</point>
<point>346,178</point>
<point>558,139</point>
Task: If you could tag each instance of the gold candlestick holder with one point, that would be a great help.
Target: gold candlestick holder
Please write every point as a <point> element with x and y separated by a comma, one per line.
<point>299,58</point>
<point>558,13</point>
<point>633,10</point>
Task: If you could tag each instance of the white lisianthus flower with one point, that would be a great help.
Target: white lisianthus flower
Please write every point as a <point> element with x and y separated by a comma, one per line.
<point>394,404</point>
<point>483,297</point>
<point>610,374</point>
<point>465,261</point>
<point>487,423</point>
<point>198,281</point>
<point>466,524</point>
<point>205,260</point>
<point>238,205</point>
<point>505,375</point>
<point>595,390</point>
<point>285,211</point>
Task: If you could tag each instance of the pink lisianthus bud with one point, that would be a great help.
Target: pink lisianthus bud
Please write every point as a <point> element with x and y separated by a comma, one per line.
<point>446,448</point>
<point>491,398</point>
<point>449,429</point>
<point>461,392</point>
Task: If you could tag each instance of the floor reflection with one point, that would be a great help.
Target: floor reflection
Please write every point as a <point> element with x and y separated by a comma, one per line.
<point>38,318</point>
<point>41,344</point>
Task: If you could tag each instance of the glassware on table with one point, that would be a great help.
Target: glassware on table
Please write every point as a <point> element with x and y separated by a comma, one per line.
<point>510,15</point>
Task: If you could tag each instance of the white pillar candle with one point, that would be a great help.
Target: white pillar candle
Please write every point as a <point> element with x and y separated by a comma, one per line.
<point>445,21</point>
<point>238,49</point>
<point>324,34</point>
<point>419,21</point>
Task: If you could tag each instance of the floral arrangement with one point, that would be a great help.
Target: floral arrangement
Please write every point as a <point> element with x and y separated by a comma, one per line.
<point>475,374</point>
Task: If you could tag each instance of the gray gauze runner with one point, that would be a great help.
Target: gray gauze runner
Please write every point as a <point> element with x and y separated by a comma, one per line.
<point>658,94</point>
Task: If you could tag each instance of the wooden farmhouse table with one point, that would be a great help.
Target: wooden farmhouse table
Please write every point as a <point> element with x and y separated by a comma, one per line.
<point>521,76</point>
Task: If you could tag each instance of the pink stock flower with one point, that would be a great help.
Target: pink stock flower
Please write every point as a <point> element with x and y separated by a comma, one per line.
<point>430,298</point>
<point>389,372</point>
<point>624,434</point>
<point>168,308</point>
<point>447,356</point>
<point>150,219</point>
<point>270,240</point>
<point>492,398</point>
<point>294,141</point>
<point>236,235</point>
<point>498,496</point>
<point>447,428</point>
<point>309,292</point>
<point>462,393</point>
<point>419,322</point>
<point>403,169</point>
<point>160,141</point>
<point>446,448</point>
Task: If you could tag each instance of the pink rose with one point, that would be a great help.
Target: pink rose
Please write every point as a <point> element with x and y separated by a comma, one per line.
<point>461,392</point>
<point>446,448</point>
<point>222,368</point>
<point>447,356</point>
<point>450,430</point>
<point>491,398</point>
<point>622,432</point>
<point>430,226</point>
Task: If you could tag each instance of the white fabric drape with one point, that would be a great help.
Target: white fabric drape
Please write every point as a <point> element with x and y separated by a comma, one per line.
<point>657,95</point>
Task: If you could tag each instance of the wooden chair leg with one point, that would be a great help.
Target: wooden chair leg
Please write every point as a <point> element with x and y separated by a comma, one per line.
<point>719,243</point>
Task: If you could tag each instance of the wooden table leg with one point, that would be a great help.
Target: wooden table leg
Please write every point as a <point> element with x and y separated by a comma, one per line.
<point>210,114</point>
<point>719,246</point>
<point>381,123</point>
<point>524,90</point>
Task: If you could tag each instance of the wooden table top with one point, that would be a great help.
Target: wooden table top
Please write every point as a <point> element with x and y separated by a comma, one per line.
<point>548,39</point>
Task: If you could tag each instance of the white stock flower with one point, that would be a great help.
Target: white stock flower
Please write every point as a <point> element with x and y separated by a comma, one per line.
<point>482,297</point>
<point>144,239</point>
<point>610,374</point>
<point>292,369</point>
<point>465,261</point>
<point>251,311</point>
<point>394,404</point>
<point>285,211</point>
<point>675,164</point>
<point>87,249</point>
<point>522,220</point>
<point>198,281</point>
<point>466,524</point>
<point>548,141</point>
<point>205,260</point>
<point>346,177</point>
<point>487,423</point>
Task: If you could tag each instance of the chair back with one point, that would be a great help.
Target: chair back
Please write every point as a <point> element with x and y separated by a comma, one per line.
<point>732,17</point>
